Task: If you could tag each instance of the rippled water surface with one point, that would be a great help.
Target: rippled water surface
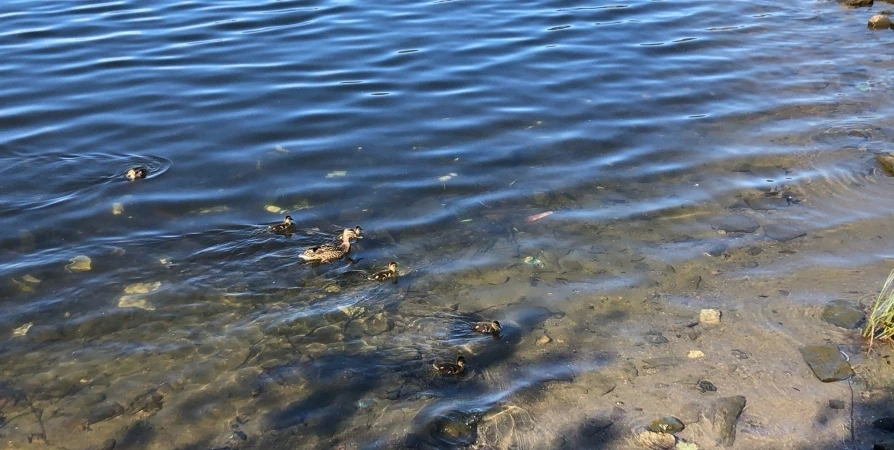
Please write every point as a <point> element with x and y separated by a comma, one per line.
<point>562,167</point>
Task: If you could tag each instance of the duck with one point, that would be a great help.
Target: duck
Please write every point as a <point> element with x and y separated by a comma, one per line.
<point>327,253</point>
<point>388,274</point>
<point>450,368</point>
<point>136,172</point>
<point>284,227</point>
<point>492,327</point>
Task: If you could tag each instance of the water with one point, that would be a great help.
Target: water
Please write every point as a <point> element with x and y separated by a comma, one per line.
<point>442,128</point>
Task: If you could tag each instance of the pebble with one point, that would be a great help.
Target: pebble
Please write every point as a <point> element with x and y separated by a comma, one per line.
<point>723,416</point>
<point>709,316</point>
<point>117,208</point>
<point>783,232</point>
<point>706,386</point>
<point>695,354</point>
<point>653,440</point>
<point>79,263</point>
<point>885,160</point>
<point>741,354</point>
<point>543,340</point>
<point>273,208</point>
<point>655,338</point>
<point>667,424</point>
<point>879,22</point>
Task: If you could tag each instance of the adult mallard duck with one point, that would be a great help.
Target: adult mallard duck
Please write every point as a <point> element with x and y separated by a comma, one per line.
<point>136,172</point>
<point>450,368</point>
<point>282,228</point>
<point>328,253</point>
<point>388,274</point>
<point>492,327</point>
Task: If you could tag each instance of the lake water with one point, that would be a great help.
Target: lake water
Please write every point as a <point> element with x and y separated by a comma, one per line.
<point>590,174</point>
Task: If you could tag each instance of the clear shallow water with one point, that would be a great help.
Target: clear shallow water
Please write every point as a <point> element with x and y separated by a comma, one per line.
<point>439,127</point>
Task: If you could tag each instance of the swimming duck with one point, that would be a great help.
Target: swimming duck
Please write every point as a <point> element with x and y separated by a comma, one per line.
<point>450,368</point>
<point>390,273</point>
<point>284,227</point>
<point>328,253</point>
<point>136,172</point>
<point>492,327</point>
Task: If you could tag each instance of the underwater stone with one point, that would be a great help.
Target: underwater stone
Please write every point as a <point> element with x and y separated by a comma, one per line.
<point>827,363</point>
<point>104,411</point>
<point>724,415</point>
<point>879,22</point>
<point>653,440</point>
<point>738,223</point>
<point>841,314</point>
<point>44,333</point>
<point>766,203</point>
<point>595,426</point>
<point>108,444</point>
<point>655,338</point>
<point>886,160</point>
<point>377,324</point>
<point>709,316</point>
<point>79,263</point>
<point>836,404</point>
<point>668,424</point>
<point>782,232</point>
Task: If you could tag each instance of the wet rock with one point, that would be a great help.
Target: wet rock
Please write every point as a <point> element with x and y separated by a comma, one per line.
<point>327,335</point>
<point>856,3</point>
<point>695,354</point>
<point>104,411</point>
<point>886,161</point>
<point>767,203</point>
<point>884,423</point>
<point>660,363</point>
<point>841,314</point>
<point>453,429</point>
<point>723,416</point>
<point>741,354</point>
<point>44,333</point>
<point>37,438</point>
<point>709,316</point>
<point>706,386</point>
<point>738,223</point>
<point>108,444</point>
<point>827,363</point>
<point>693,335</point>
<point>783,232</point>
<point>717,250</point>
<point>879,22</point>
<point>378,324</point>
<point>668,424</point>
<point>134,301</point>
<point>149,402</point>
<point>655,338</point>
<point>836,404</point>
<point>80,263</point>
<point>543,340</point>
<point>653,440</point>
<point>595,426</point>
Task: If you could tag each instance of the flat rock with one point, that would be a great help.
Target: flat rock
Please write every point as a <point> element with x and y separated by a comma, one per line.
<point>766,203</point>
<point>827,363</point>
<point>653,440</point>
<point>738,223</point>
<point>782,232</point>
<point>856,3</point>
<point>723,415</point>
<point>667,424</point>
<point>841,314</point>
<point>104,411</point>
<point>709,316</point>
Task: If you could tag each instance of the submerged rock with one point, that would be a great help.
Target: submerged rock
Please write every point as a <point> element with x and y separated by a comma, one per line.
<point>595,426</point>
<point>767,203</point>
<point>782,232</point>
<point>104,411</point>
<point>879,22</point>
<point>668,424</point>
<point>653,440</point>
<point>738,223</point>
<point>723,415</point>
<point>856,3</point>
<point>79,263</point>
<point>709,316</point>
<point>841,314</point>
<point>827,362</point>
<point>886,161</point>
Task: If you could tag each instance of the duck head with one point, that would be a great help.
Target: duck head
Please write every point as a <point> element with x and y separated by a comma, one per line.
<point>135,172</point>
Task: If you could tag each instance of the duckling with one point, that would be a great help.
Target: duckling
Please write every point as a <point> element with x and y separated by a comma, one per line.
<point>328,253</point>
<point>450,368</point>
<point>390,273</point>
<point>284,227</point>
<point>136,172</point>
<point>492,327</point>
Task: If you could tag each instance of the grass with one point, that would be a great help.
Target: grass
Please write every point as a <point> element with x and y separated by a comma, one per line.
<point>880,324</point>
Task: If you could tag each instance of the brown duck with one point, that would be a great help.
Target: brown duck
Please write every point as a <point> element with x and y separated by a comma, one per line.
<point>327,253</point>
<point>492,327</point>
<point>450,368</point>
<point>281,228</point>
<point>388,274</point>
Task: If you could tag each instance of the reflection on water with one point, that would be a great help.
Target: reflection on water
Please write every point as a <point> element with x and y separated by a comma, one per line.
<point>588,175</point>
